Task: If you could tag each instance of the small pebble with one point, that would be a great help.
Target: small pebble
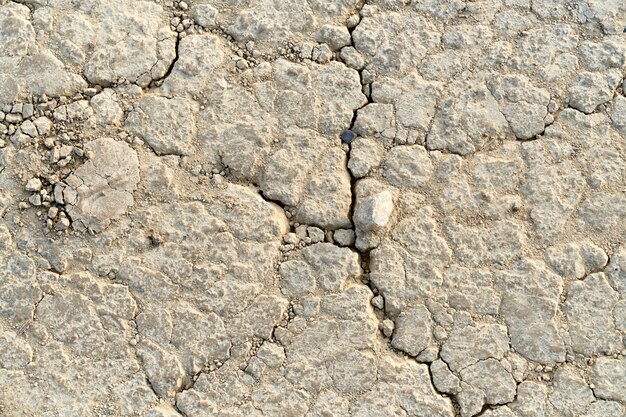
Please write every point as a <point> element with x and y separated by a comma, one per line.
<point>300,231</point>
<point>378,302</point>
<point>28,110</point>
<point>316,234</point>
<point>62,224</point>
<point>13,118</point>
<point>291,238</point>
<point>52,212</point>
<point>35,200</point>
<point>34,184</point>
<point>387,327</point>
<point>348,136</point>
<point>344,237</point>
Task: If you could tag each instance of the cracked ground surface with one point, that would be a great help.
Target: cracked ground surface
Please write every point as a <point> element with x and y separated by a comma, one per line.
<point>187,229</point>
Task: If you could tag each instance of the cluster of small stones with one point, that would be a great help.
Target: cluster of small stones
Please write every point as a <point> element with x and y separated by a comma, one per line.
<point>355,208</point>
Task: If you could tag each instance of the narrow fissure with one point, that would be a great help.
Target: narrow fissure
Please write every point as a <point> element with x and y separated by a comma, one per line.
<point>455,404</point>
<point>158,82</point>
<point>364,255</point>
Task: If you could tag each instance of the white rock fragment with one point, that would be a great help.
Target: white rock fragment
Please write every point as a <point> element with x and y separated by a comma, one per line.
<point>35,200</point>
<point>34,184</point>
<point>443,379</point>
<point>43,73</point>
<point>29,129</point>
<point>576,259</point>
<point>378,302</point>
<point>291,238</point>
<point>336,37</point>
<point>315,233</point>
<point>322,54</point>
<point>373,213</point>
<point>43,125</point>
<point>106,108</point>
<point>344,237</point>
<point>272,354</point>
<point>244,206</point>
<point>373,119</point>
<point>366,154</point>
<point>352,58</point>
<point>387,326</point>
<point>413,330</point>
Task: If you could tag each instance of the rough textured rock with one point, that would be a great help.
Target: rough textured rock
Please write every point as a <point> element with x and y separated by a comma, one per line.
<point>412,331</point>
<point>346,208</point>
<point>490,377</point>
<point>100,190</point>
<point>589,307</point>
<point>609,379</point>
<point>529,308</point>
<point>570,392</point>
<point>167,125</point>
<point>468,345</point>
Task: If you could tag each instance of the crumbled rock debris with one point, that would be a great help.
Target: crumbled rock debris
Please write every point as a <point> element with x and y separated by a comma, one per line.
<point>359,208</point>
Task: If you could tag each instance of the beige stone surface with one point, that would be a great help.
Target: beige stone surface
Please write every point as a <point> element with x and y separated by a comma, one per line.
<point>312,208</point>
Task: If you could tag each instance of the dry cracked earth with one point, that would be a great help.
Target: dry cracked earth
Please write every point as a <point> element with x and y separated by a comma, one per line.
<point>313,208</point>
